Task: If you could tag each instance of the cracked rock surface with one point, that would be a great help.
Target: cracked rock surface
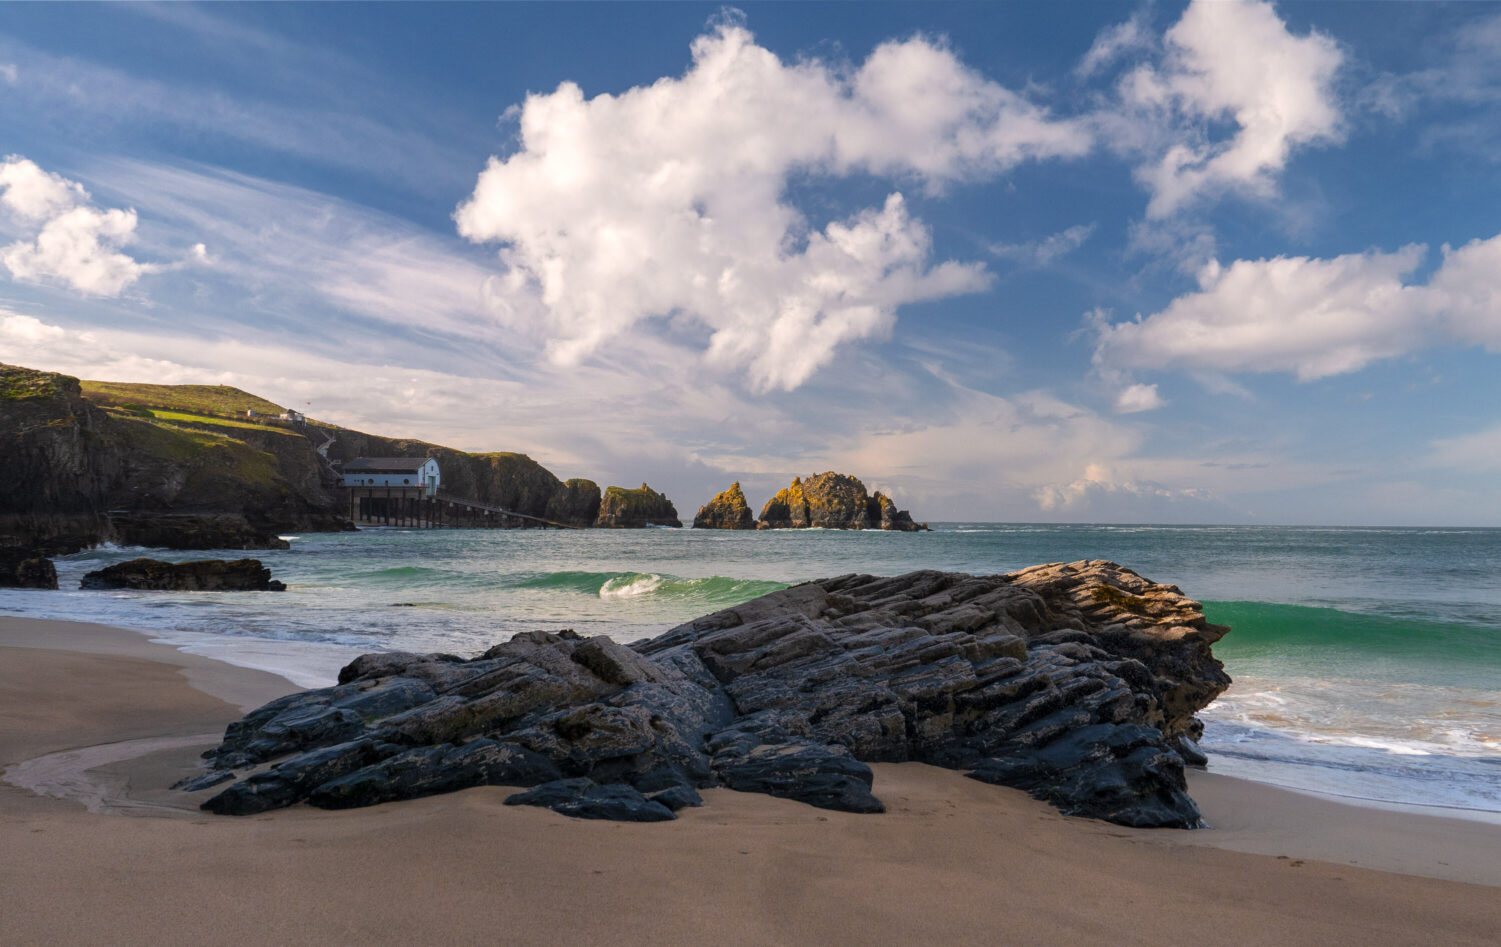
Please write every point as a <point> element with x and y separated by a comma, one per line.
<point>1077,682</point>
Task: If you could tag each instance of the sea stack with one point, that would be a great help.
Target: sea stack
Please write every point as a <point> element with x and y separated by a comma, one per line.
<point>728,510</point>
<point>620,508</point>
<point>833,501</point>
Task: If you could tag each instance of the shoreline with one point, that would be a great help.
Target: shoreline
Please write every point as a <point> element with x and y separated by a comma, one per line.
<point>951,858</point>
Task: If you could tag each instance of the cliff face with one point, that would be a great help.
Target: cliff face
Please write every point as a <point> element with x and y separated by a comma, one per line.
<point>832,501</point>
<point>56,475</point>
<point>69,463</point>
<point>185,466</point>
<point>508,480</point>
<point>728,510</point>
<point>620,508</point>
<point>576,504</point>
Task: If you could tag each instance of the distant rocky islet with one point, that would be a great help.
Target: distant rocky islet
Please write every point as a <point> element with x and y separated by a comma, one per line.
<point>824,501</point>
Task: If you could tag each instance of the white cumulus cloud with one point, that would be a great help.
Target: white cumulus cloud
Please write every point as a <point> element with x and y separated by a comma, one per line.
<point>669,200</point>
<point>33,194</point>
<point>77,245</point>
<point>1222,64</point>
<point>1315,317</point>
<point>1136,398</point>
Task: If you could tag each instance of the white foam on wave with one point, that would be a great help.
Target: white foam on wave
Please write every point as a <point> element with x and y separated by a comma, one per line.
<point>630,586</point>
<point>1397,718</point>
<point>304,663</point>
<point>1377,742</point>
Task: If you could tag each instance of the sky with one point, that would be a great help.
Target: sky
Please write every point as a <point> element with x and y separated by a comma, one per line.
<point>1223,262</point>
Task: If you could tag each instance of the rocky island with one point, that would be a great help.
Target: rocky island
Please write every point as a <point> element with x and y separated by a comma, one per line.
<point>728,510</point>
<point>1076,682</point>
<point>620,508</point>
<point>833,501</point>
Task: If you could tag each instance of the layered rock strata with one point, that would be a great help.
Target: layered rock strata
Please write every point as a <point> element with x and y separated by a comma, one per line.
<point>832,501</point>
<point>1077,682</point>
<point>728,510</point>
<point>203,575</point>
<point>620,508</point>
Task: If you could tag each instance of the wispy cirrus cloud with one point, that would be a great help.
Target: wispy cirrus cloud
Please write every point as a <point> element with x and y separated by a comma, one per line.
<point>1047,250</point>
<point>81,100</point>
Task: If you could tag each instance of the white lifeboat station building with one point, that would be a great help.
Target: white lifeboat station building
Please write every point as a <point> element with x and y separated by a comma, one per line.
<point>396,491</point>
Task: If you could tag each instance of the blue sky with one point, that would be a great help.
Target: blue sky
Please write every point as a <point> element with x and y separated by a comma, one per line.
<point>1224,262</point>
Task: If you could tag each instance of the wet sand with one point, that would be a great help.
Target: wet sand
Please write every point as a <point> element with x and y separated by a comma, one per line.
<point>952,860</point>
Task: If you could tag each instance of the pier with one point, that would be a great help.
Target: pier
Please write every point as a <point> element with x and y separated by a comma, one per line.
<point>416,508</point>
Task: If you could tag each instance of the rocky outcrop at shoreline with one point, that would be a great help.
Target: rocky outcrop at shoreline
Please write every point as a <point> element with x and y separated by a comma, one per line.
<point>203,575</point>
<point>620,508</point>
<point>23,569</point>
<point>190,531</point>
<point>832,501</point>
<point>728,510</point>
<point>1077,682</point>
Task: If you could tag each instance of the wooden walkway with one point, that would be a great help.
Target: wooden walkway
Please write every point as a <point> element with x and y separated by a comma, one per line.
<point>487,508</point>
<point>414,507</point>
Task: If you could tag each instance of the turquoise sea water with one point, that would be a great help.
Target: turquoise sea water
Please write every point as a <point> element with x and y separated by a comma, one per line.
<point>1367,661</point>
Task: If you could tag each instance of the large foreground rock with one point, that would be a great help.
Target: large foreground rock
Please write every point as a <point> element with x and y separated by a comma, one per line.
<point>1077,682</point>
<point>832,501</point>
<point>203,575</point>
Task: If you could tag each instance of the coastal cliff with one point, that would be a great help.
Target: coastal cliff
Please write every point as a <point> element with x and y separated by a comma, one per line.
<point>633,509</point>
<point>509,480</point>
<point>728,510</point>
<point>70,463</point>
<point>1077,682</point>
<point>211,467</point>
<point>832,501</point>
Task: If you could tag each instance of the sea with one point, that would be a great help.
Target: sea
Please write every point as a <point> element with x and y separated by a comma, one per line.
<point>1366,662</point>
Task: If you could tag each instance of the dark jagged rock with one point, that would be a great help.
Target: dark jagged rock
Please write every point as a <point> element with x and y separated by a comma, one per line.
<point>24,569</point>
<point>728,510</point>
<point>203,575</point>
<point>832,501</point>
<point>633,509</point>
<point>1076,682</point>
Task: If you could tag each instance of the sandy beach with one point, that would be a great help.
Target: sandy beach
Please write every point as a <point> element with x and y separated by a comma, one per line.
<point>99,721</point>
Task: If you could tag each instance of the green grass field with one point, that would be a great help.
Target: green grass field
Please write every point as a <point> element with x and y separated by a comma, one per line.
<point>218,422</point>
<point>220,400</point>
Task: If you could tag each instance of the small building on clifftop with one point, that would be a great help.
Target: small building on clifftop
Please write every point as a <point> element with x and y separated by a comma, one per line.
<point>420,473</point>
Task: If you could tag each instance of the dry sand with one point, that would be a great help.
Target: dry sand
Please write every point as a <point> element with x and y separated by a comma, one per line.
<point>952,861</point>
